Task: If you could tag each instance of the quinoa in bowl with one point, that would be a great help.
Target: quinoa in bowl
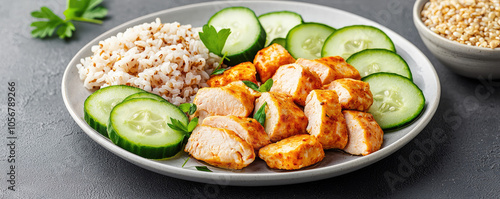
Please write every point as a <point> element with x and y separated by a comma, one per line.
<point>470,22</point>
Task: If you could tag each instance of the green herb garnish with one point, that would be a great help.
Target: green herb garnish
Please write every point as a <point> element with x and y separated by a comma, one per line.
<point>203,168</point>
<point>179,126</point>
<point>260,115</point>
<point>77,10</point>
<point>185,161</point>
<point>188,108</point>
<point>215,41</point>
<point>266,87</point>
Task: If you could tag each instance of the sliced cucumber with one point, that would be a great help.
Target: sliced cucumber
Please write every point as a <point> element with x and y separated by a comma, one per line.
<point>351,39</point>
<point>145,94</point>
<point>306,40</point>
<point>277,24</point>
<point>247,34</point>
<point>140,126</point>
<point>396,99</point>
<point>370,61</point>
<point>99,104</point>
<point>280,41</point>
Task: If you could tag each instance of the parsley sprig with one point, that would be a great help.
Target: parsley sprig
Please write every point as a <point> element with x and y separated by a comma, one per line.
<point>266,87</point>
<point>215,41</point>
<point>77,10</point>
<point>175,124</point>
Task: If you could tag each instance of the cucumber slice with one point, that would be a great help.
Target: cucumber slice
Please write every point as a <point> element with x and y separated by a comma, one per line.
<point>280,41</point>
<point>277,24</point>
<point>247,35</point>
<point>145,94</point>
<point>306,40</point>
<point>140,126</point>
<point>99,104</point>
<point>351,39</point>
<point>370,61</point>
<point>396,99</point>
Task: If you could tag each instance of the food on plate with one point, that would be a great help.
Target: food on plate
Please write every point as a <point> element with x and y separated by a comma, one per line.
<point>296,103</point>
<point>306,40</point>
<point>219,147</point>
<point>99,104</point>
<point>247,34</point>
<point>269,59</point>
<point>280,41</point>
<point>325,119</point>
<point>396,100</point>
<point>296,81</point>
<point>247,128</point>
<point>371,61</point>
<point>231,99</point>
<point>474,23</point>
<point>243,71</point>
<point>283,117</point>
<point>140,126</point>
<point>365,135</point>
<point>293,153</point>
<point>166,59</point>
<point>351,39</point>
<point>278,23</point>
<point>353,94</point>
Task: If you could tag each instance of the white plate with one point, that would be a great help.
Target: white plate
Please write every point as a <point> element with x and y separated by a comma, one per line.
<point>258,174</point>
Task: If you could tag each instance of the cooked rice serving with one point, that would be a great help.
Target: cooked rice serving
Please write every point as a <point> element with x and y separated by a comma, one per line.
<point>167,59</point>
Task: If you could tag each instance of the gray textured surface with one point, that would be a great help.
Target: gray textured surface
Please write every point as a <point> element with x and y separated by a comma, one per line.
<point>55,159</point>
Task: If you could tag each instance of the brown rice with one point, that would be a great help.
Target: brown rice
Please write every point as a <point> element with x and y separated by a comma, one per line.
<point>167,59</point>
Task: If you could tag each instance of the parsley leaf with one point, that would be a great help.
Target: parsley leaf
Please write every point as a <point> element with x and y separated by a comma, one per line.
<point>203,168</point>
<point>266,87</point>
<point>214,40</point>
<point>218,70</point>
<point>85,10</point>
<point>77,10</point>
<point>260,115</point>
<point>177,125</point>
<point>188,108</point>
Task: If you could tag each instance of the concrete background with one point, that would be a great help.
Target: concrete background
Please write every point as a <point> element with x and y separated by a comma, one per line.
<point>56,159</point>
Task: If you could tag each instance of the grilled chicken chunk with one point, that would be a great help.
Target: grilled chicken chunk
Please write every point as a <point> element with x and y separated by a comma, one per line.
<point>283,117</point>
<point>243,71</point>
<point>293,153</point>
<point>326,121</point>
<point>269,59</point>
<point>342,68</point>
<point>353,94</point>
<point>247,128</point>
<point>325,73</point>
<point>232,99</point>
<point>219,147</point>
<point>295,80</point>
<point>365,135</point>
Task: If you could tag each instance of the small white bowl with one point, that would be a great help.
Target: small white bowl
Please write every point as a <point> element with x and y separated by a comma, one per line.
<point>469,61</point>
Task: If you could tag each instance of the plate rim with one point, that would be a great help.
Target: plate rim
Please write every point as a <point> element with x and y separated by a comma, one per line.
<point>257,179</point>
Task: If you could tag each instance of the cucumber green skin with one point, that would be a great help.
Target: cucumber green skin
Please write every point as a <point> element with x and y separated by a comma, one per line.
<point>290,37</point>
<point>403,121</point>
<point>285,12</point>
<point>150,152</point>
<point>249,53</point>
<point>101,126</point>
<point>280,41</point>
<point>145,94</point>
<point>359,54</point>
<point>325,53</point>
